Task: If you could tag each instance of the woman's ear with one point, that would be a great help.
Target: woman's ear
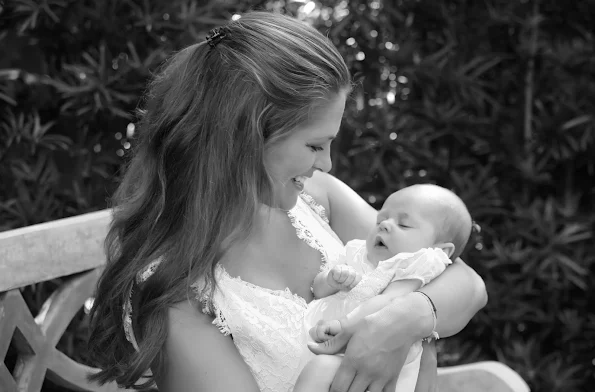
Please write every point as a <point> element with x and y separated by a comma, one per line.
<point>447,247</point>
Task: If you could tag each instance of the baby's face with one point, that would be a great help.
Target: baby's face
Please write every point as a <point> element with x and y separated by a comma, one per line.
<point>402,225</point>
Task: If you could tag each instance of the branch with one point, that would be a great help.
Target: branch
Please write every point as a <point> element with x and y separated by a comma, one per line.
<point>529,76</point>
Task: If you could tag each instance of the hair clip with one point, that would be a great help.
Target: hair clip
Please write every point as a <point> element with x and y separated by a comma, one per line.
<point>215,36</point>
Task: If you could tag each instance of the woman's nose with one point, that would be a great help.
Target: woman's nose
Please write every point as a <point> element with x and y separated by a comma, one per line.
<point>324,162</point>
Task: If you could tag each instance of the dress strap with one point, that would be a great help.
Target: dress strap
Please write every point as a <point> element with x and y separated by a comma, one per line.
<point>317,208</point>
<point>141,277</point>
<point>201,289</point>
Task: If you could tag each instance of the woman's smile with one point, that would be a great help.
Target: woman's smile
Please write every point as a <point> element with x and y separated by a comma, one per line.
<point>299,181</point>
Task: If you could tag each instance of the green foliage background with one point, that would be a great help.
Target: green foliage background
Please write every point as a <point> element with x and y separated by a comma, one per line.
<point>494,99</point>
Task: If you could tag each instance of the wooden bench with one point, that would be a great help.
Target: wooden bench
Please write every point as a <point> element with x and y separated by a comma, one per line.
<point>73,248</point>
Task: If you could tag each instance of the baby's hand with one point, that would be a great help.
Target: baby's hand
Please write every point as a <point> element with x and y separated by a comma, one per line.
<point>325,330</point>
<point>343,277</point>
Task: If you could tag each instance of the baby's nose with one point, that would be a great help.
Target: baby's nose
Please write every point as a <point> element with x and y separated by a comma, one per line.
<point>384,226</point>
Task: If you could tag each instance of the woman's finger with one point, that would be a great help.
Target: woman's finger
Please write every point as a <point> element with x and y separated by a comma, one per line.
<point>391,386</point>
<point>319,333</point>
<point>343,378</point>
<point>313,333</point>
<point>361,383</point>
<point>378,386</point>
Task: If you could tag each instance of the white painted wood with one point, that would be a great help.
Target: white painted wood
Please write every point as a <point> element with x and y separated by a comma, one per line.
<point>50,250</point>
<point>487,376</point>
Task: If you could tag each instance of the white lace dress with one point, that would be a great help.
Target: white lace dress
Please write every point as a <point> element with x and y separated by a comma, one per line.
<point>267,325</point>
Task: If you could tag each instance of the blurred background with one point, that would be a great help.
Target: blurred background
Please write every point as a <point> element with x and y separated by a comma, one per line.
<point>494,99</point>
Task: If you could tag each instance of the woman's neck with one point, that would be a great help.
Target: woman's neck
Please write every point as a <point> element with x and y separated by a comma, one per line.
<point>266,225</point>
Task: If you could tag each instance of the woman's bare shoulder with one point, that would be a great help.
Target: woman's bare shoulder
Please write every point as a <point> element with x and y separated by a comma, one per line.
<point>200,357</point>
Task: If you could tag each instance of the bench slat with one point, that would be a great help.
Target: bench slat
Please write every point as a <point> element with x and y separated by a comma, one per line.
<point>70,374</point>
<point>487,376</point>
<point>50,250</point>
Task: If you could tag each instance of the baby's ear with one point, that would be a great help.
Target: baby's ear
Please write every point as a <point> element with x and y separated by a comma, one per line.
<point>447,247</point>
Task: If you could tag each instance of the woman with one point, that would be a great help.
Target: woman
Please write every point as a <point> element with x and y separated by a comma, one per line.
<point>225,216</point>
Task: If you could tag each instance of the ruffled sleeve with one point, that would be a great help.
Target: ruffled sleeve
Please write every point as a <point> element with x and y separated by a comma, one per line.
<point>423,265</point>
<point>202,290</point>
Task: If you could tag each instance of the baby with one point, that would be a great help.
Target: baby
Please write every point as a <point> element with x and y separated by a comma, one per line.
<point>419,230</point>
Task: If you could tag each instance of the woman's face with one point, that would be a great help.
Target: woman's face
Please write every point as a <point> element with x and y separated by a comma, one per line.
<point>293,160</point>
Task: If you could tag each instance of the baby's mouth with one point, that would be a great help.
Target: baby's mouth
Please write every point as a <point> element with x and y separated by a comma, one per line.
<point>379,243</point>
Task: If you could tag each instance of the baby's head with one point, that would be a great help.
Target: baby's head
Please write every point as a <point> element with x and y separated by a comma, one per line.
<point>420,216</point>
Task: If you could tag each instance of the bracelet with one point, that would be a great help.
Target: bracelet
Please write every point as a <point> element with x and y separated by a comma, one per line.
<point>434,334</point>
<point>429,300</point>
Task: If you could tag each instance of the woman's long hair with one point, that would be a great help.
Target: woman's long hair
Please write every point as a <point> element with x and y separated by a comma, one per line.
<point>197,175</point>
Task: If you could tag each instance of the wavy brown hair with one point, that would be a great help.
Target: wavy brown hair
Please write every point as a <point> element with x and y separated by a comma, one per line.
<point>197,174</point>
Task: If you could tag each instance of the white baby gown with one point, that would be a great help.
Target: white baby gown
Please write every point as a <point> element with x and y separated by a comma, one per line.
<point>423,265</point>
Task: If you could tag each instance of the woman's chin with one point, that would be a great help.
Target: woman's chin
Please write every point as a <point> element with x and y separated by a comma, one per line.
<point>287,199</point>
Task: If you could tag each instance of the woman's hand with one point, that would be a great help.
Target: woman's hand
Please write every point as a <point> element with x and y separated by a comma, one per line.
<point>377,345</point>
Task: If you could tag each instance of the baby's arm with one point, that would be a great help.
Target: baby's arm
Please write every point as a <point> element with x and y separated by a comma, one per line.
<point>339,277</point>
<point>325,330</point>
<point>423,265</point>
<point>318,374</point>
<point>400,288</point>
<point>395,289</point>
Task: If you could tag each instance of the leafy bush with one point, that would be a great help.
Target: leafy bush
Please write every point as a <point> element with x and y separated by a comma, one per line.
<point>492,99</point>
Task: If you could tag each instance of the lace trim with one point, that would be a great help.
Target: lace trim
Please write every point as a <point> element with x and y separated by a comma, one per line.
<point>207,307</point>
<point>148,271</point>
<point>317,208</point>
<point>305,235</point>
<point>141,277</point>
<point>220,323</point>
<point>285,293</point>
<point>127,321</point>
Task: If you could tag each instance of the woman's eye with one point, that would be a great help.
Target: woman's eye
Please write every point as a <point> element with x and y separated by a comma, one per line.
<point>404,226</point>
<point>316,148</point>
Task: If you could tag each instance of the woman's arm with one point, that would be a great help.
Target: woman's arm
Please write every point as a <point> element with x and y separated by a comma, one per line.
<point>350,216</point>
<point>458,293</point>
<point>200,358</point>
